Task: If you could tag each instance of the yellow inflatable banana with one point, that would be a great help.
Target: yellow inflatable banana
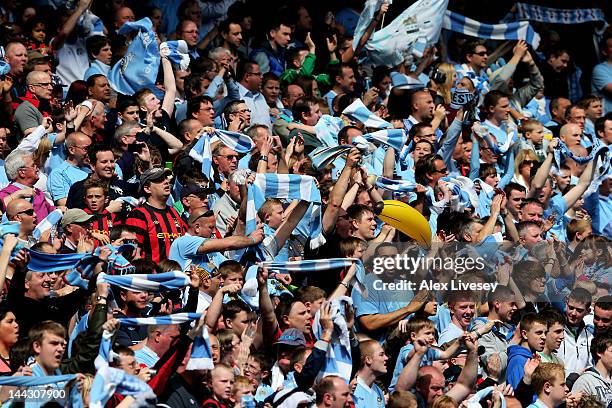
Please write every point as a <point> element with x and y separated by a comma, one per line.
<point>406,219</point>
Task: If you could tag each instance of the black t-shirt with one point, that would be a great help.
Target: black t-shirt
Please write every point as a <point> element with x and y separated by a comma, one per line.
<point>164,122</point>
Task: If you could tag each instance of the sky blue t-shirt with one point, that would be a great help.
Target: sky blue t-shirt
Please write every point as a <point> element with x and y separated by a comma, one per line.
<point>368,397</point>
<point>64,176</point>
<point>430,356</point>
<point>184,250</point>
<point>558,206</point>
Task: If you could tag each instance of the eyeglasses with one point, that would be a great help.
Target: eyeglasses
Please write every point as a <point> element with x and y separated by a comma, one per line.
<point>254,73</point>
<point>84,148</point>
<point>231,157</point>
<point>33,166</point>
<point>29,212</point>
<point>481,53</point>
<point>243,111</point>
<point>43,84</point>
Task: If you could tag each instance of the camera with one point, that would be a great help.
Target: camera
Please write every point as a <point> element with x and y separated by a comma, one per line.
<point>438,77</point>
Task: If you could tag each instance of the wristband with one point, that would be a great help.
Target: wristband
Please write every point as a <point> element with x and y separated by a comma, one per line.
<point>263,158</point>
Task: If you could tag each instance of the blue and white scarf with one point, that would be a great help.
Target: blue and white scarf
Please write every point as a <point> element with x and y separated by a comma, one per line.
<point>324,156</point>
<point>201,151</point>
<point>338,360</point>
<point>109,380</point>
<point>288,187</point>
<point>397,186</point>
<point>358,112</point>
<point>201,352</point>
<point>535,12</point>
<point>49,222</point>
<point>521,30</point>
<point>327,129</point>
<point>177,318</point>
<point>82,272</point>
<point>308,265</point>
<point>148,282</point>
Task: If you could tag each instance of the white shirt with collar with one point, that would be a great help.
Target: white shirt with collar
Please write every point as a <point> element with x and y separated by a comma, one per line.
<point>260,111</point>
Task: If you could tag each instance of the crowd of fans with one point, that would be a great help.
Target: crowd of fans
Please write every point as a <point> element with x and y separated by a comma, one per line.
<point>504,155</point>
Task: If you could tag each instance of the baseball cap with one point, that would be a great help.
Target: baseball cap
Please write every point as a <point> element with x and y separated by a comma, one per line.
<point>292,337</point>
<point>199,213</point>
<point>75,216</point>
<point>37,55</point>
<point>154,174</point>
<point>195,189</point>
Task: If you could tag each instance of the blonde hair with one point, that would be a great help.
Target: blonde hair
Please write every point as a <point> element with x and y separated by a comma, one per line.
<point>266,208</point>
<point>525,154</point>
<point>445,89</point>
<point>546,372</point>
<point>41,153</point>
<point>443,401</point>
<point>402,399</point>
<point>529,125</point>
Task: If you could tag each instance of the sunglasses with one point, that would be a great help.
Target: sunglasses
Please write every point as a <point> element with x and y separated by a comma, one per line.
<point>29,212</point>
<point>529,162</point>
<point>481,53</point>
<point>444,170</point>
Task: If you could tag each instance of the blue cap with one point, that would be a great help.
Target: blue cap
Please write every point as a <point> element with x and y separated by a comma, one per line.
<point>292,337</point>
<point>401,81</point>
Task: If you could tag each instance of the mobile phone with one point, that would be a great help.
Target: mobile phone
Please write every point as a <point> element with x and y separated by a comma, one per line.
<point>135,148</point>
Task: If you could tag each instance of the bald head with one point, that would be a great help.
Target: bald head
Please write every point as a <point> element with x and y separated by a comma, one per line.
<point>36,77</point>
<point>16,206</point>
<point>430,383</point>
<point>76,139</point>
<point>570,134</point>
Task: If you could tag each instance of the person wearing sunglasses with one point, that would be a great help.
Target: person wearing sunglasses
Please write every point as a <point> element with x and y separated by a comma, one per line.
<point>475,57</point>
<point>21,211</point>
<point>35,104</point>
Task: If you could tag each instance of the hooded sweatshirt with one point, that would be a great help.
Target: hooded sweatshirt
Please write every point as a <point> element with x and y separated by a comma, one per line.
<point>517,357</point>
<point>593,383</point>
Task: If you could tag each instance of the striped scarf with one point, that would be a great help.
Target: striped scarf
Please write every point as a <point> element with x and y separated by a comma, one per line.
<point>535,12</point>
<point>201,352</point>
<point>202,153</point>
<point>49,222</point>
<point>323,156</point>
<point>398,186</point>
<point>147,282</point>
<point>338,360</point>
<point>309,265</point>
<point>327,129</point>
<point>82,272</point>
<point>358,112</point>
<point>599,152</point>
<point>109,380</point>
<point>288,187</point>
<point>521,30</point>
